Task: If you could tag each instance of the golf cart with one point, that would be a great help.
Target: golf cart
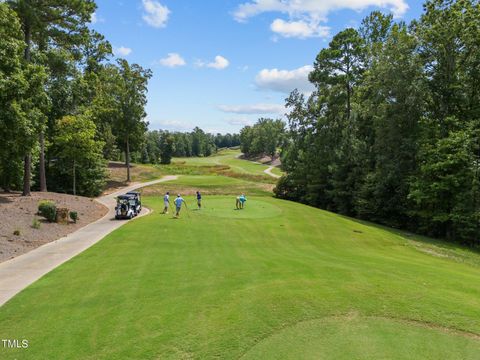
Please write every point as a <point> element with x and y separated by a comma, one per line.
<point>138,198</point>
<point>127,207</point>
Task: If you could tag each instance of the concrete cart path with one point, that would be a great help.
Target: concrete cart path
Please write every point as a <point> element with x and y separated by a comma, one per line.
<point>269,172</point>
<point>16,274</point>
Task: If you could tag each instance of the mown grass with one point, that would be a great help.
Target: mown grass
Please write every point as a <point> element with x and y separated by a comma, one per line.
<point>277,280</point>
<point>209,185</point>
<point>237,167</point>
<point>224,163</point>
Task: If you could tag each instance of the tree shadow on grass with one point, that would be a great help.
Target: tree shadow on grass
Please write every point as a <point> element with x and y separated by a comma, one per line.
<point>413,237</point>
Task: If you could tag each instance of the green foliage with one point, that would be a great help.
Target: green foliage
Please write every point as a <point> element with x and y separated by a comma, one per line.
<point>160,146</point>
<point>45,25</point>
<point>73,216</point>
<point>48,210</point>
<point>167,147</point>
<point>287,188</point>
<point>130,83</point>
<point>263,138</point>
<point>23,98</point>
<point>52,66</point>
<point>79,167</point>
<point>36,224</point>
<point>445,190</point>
<point>391,132</point>
<point>16,232</point>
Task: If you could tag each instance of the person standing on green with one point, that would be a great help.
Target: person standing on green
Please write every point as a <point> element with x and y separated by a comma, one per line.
<point>199,200</point>
<point>166,202</point>
<point>178,204</point>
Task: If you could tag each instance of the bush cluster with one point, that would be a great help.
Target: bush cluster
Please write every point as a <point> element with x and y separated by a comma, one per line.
<point>74,216</point>
<point>48,210</point>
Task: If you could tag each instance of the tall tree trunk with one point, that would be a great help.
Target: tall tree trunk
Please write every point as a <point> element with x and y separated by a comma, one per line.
<point>28,157</point>
<point>127,159</point>
<point>26,175</point>
<point>28,42</point>
<point>74,179</point>
<point>43,179</point>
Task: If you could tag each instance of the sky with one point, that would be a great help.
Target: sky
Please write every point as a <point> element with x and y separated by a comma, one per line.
<point>222,64</point>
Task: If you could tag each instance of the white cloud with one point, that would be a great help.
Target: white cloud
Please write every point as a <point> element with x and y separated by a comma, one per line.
<point>122,51</point>
<point>300,29</point>
<point>305,16</point>
<point>240,121</point>
<point>285,80</point>
<point>94,18</point>
<point>253,109</point>
<point>172,60</point>
<point>156,14</point>
<point>220,63</point>
<point>314,8</point>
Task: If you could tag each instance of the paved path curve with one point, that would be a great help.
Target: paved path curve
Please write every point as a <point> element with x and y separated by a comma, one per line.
<point>16,274</point>
<point>269,172</point>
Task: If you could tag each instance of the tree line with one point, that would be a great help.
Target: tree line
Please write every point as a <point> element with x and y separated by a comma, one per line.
<point>391,133</point>
<point>263,138</point>
<point>67,105</point>
<point>160,145</point>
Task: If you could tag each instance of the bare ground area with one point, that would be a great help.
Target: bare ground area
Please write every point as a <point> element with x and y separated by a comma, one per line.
<point>117,175</point>
<point>18,213</point>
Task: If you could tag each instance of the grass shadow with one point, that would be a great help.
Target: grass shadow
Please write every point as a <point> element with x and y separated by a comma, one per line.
<point>433,246</point>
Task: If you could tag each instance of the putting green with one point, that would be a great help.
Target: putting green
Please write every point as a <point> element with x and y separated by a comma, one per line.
<point>224,207</point>
<point>364,338</point>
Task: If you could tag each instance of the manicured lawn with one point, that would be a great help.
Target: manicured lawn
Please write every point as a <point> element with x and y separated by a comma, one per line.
<point>277,171</point>
<point>277,280</point>
<point>229,157</point>
<point>210,185</point>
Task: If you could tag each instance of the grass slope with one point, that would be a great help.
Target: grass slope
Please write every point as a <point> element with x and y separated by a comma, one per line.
<point>230,158</point>
<point>210,185</point>
<point>277,280</point>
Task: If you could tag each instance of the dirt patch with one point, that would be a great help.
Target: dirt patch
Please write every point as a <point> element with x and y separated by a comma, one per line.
<point>117,175</point>
<point>17,215</point>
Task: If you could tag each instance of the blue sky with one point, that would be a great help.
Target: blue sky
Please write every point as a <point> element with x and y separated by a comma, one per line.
<point>221,64</point>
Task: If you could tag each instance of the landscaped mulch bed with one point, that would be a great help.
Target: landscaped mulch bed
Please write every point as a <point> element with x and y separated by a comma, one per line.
<point>18,213</point>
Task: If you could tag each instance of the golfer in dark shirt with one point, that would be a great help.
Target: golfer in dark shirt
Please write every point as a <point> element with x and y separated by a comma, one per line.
<point>199,200</point>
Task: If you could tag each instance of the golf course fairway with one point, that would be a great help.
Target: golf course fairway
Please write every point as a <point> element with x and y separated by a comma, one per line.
<point>276,280</point>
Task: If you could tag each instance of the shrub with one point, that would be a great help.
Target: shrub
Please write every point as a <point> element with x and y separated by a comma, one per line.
<point>48,210</point>
<point>36,224</point>
<point>74,216</point>
<point>16,232</point>
<point>288,189</point>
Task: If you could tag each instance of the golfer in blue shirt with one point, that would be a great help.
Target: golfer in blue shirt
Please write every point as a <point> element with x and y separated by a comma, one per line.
<point>178,204</point>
